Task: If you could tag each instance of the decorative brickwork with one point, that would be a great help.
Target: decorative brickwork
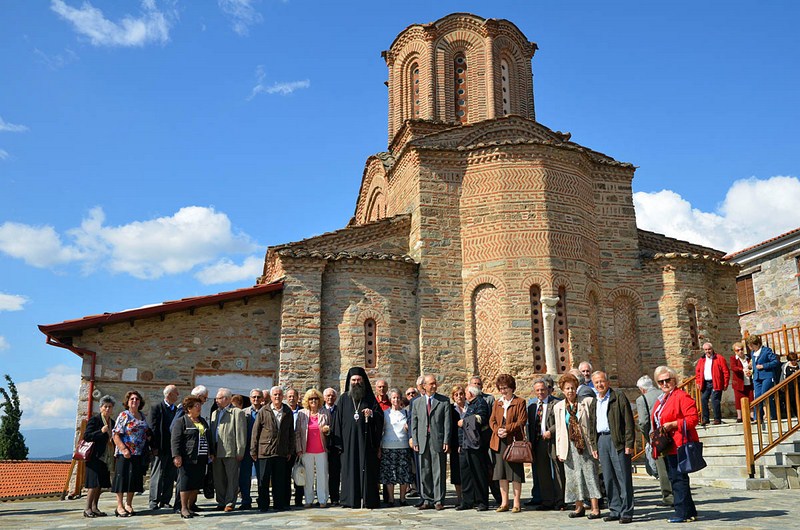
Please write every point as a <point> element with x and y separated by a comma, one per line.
<point>485,322</point>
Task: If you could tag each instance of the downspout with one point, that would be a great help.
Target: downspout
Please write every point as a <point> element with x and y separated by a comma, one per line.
<point>80,352</point>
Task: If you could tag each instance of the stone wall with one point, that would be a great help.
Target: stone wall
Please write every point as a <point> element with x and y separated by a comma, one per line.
<point>148,354</point>
<point>777,292</point>
<point>354,291</point>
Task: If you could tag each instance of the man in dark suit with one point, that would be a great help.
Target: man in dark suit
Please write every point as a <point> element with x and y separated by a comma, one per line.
<point>334,456</point>
<point>430,427</point>
<point>246,466</point>
<point>163,472</point>
<point>548,471</point>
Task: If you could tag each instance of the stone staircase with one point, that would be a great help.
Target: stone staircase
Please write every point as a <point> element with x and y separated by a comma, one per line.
<point>723,450</point>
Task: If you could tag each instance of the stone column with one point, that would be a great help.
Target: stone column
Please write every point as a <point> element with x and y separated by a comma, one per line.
<point>491,30</point>
<point>549,314</point>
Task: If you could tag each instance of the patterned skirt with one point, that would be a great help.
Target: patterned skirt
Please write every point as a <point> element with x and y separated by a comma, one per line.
<point>396,466</point>
<point>581,477</point>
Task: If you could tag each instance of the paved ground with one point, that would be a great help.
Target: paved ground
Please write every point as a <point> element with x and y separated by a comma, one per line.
<point>718,508</point>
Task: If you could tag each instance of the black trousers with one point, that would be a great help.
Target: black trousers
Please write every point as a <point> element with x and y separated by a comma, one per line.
<point>473,464</point>
<point>334,474</point>
<point>716,399</point>
<point>273,471</point>
<point>681,492</point>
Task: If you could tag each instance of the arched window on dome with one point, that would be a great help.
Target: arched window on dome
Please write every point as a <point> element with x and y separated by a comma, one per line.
<point>460,87</point>
<point>505,85</point>
<point>537,330</point>
<point>415,96</point>
<point>370,343</point>
<point>693,334</point>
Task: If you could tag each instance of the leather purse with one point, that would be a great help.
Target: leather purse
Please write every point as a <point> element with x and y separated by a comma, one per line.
<point>519,452</point>
<point>661,440</point>
<point>83,451</point>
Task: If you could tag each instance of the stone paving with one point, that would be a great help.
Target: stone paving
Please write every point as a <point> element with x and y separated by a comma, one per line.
<point>717,507</point>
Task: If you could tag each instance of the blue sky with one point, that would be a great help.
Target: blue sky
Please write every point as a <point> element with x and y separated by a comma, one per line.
<point>152,150</point>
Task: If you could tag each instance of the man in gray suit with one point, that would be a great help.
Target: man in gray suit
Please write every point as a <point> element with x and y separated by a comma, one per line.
<point>228,442</point>
<point>430,428</point>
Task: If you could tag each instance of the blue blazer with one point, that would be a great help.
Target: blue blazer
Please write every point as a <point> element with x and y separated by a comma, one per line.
<point>770,363</point>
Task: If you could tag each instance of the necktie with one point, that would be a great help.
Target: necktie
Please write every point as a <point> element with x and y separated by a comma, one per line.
<point>429,414</point>
<point>539,412</point>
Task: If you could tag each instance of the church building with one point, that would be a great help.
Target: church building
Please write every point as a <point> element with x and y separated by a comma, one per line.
<point>482,242</point>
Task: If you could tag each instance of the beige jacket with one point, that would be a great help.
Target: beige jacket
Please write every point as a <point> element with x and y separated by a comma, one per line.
<point>586,420</point>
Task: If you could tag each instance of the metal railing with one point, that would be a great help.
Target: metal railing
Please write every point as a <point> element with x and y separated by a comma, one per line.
<point>775,415</point>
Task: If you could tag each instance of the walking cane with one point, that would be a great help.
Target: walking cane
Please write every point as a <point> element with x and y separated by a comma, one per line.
<point>364,465</point>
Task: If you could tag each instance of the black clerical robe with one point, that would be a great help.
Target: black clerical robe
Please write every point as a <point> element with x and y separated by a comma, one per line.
<point>359,441</point>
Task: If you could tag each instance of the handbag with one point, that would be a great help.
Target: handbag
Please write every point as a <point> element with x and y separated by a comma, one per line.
<point>208,483</point>
<point>690,455</point>
<point>83,451</point>
<point>661,440</point>
<point>299,474</point>
<point>519,452</point>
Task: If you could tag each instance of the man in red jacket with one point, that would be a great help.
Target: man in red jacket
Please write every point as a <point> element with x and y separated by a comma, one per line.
<point>712,377</point>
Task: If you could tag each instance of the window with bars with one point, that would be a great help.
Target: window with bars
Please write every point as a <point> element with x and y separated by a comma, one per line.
<point>690,308</point>
<point>415,99</point>
<point>537,330</point>
<point>505,86</point>
<point>562,331</point>
<point>460,87</point>
<point>370,343</point>
<point>745,294</point>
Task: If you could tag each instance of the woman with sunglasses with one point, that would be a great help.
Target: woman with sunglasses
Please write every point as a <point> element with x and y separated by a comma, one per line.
<point>130,436</point>
<point>311,433</point>
<point>674,409</point>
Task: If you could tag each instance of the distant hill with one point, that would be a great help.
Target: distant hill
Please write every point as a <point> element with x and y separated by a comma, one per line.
<point>49,444</point>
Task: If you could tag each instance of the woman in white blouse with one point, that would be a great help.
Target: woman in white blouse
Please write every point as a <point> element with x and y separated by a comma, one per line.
<point>395,453</point>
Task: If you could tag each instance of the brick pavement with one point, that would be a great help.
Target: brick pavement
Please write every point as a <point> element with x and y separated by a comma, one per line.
<point>718,508</point>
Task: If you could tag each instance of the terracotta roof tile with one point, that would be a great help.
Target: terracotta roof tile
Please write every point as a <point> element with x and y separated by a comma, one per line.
<point>763,243</point>
<point>20,479</point>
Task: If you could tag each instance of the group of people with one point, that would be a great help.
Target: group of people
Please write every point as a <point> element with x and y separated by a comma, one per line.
<point>354,445</point>
<point>754,369</point>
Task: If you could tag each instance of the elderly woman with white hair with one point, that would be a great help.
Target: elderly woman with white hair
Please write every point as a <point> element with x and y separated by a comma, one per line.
<point>676,412</point>
<point>644,406</point>
<point>311,433</point>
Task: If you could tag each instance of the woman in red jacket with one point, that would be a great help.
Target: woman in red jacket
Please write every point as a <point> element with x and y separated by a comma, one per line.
<point>741,377</point>
<point>671,410</point>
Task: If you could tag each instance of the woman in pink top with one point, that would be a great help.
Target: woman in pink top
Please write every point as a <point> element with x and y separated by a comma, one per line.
<point>311,431</point>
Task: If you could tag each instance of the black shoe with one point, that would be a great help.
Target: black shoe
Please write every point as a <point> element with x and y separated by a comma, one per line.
<point>187,516</point>
<point>123,514</point>
<point>90,515</point>
<point>245,507</point>
<point>482,508</point>
<point>462,507</point>
<point>609,518</point>
<point>626,519</point>
<point>154,507</point>
<point>574,515</point>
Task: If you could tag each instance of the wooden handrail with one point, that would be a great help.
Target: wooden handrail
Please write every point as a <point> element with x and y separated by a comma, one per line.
<point>782,340</point>
<point>786,392</point>
<point>690,387</point>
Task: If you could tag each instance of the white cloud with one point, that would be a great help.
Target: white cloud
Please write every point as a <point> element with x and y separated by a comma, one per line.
<point>741,220</point>
<point>193,236</point>
<point>152,26</point>
<point>12,302</point>
<point>4,345</point>
<point>39,246</point>
<point>276,88</point>
<point>226,271</point>
<point>50,401</point>
<point>242,14</point>
<point>10,127</point>
<point>4,154</point>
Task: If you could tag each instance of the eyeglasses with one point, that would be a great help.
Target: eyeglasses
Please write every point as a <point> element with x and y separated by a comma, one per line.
<point>664,381</point>
<point>253,398</point>
<point>313,399</point>
<point>738,349</point>
<point>411,393</point>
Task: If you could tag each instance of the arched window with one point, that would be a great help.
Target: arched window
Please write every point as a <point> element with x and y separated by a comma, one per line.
<point>693,335</point>
<point>537,330</point>
<point>562,331</point>
<point>370,343</point>
<point>415,98</point>
<point>505,86</point>
<point>460,87</point>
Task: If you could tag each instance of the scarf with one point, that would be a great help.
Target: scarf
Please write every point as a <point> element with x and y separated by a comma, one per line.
<point>574,428</point>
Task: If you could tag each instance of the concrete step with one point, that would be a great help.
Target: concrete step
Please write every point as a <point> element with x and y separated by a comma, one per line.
<point>737,483</point>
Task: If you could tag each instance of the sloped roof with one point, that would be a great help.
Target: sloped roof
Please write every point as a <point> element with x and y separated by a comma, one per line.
<point>20,479</point>
<point>653,243</point>
<point>351,237</point>
<point>71,326</point>
<point>763,244</point>
<point>336,256</point>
